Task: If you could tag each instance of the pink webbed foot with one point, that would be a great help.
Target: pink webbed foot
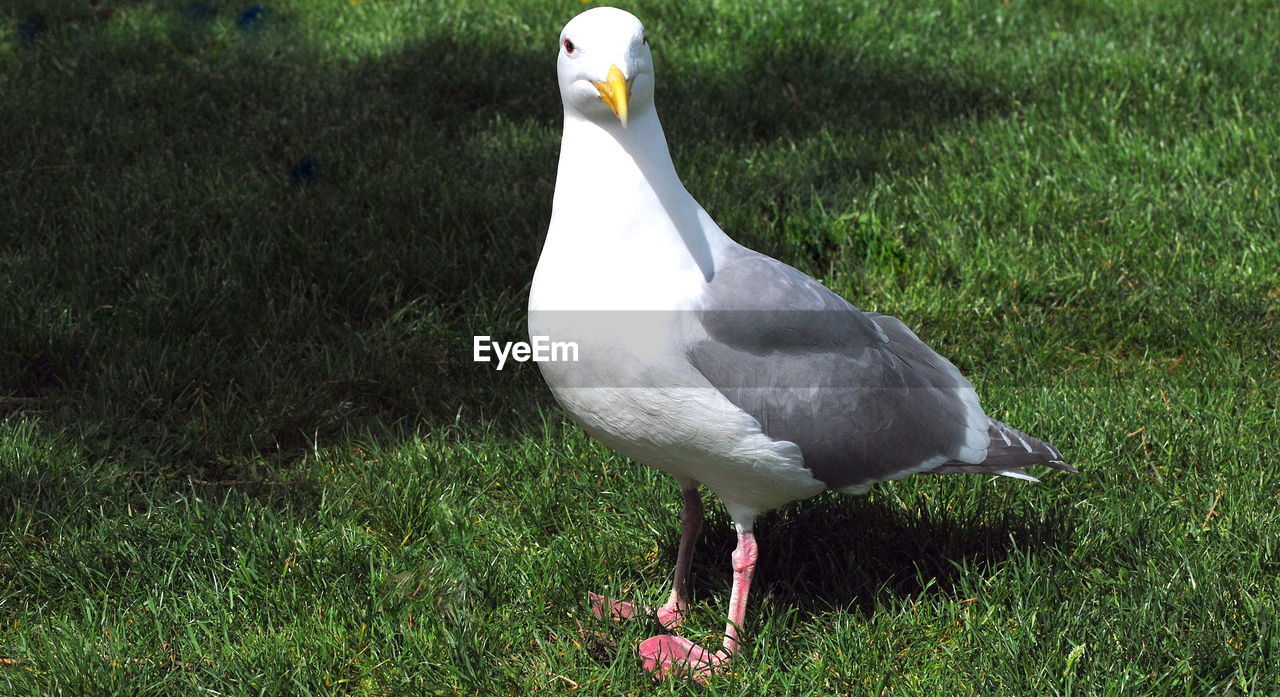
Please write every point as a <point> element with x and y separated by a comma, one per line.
<point>667,655</point>
<point>610,609</point>
<point>670,615</point>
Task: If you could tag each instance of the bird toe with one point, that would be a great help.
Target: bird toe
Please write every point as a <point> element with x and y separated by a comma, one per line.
<point>671,615</point>
<point>668,655</point>
<point>610,609</point>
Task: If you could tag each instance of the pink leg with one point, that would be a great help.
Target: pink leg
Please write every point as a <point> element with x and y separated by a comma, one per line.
<point>666,654</point>
<point>671,614</point>
<point>744,567</point>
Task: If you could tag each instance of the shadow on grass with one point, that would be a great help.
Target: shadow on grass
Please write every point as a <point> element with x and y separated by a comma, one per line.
<point>224,244</point>
<point>831,552</point>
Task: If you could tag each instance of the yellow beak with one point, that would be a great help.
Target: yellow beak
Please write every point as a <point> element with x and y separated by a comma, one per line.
<point>616,92</point>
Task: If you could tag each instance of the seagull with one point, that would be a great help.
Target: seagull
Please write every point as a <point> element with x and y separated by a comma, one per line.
<point>716,364</point>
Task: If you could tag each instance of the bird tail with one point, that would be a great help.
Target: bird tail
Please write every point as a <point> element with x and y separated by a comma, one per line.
<point>1009,451</point>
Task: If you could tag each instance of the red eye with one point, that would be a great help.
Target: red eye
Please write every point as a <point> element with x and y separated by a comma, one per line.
<point>568,47</point>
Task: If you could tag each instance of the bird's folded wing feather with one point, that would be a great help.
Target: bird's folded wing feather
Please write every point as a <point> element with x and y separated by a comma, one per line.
<point>859,393</point>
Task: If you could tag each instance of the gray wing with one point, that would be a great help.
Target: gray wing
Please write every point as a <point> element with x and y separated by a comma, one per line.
<point>859,393</point>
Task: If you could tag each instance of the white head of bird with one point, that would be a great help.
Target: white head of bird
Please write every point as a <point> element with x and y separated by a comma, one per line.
<point>605,68</point>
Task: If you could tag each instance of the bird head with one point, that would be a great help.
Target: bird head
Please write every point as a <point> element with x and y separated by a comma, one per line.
<point>605,68</point>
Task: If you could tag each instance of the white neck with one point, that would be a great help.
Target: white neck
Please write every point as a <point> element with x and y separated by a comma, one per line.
<point>619,204</point>
<point>606,161</point>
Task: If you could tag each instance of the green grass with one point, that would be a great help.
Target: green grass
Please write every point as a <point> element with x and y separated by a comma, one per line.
<point>245,451</point>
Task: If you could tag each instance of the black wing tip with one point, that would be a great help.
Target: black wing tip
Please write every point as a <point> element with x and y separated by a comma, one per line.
<point>1060,465</point>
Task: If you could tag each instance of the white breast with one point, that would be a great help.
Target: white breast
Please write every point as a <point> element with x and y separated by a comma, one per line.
<point>633,388</point>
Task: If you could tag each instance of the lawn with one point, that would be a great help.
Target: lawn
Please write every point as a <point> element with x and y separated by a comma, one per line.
<point>244,248</point>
